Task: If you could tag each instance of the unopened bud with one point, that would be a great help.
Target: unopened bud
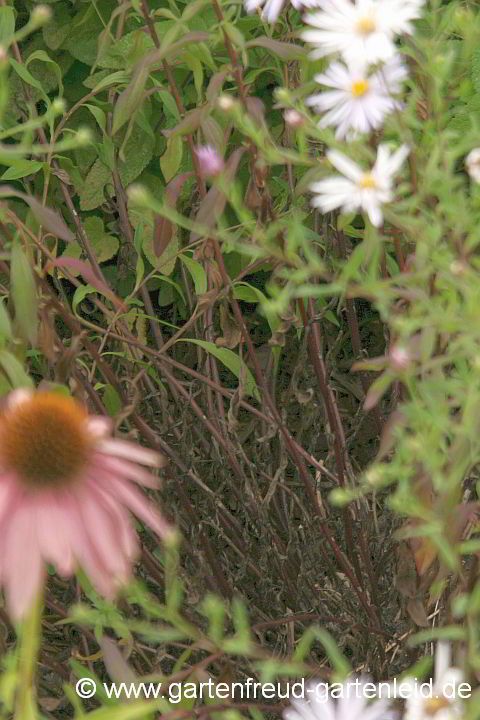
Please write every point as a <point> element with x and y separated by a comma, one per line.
<point>138,194</point>
<point>40,15</point>
<point>225,103</point>
<point>293,118</point>
<point>59,106</point>
<point>84,136</point>
<point>3,57</point>
<point>472,164</point>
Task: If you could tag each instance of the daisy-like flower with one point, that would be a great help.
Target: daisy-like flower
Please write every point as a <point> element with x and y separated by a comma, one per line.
<point>351,704</point>
<point>358,101</point>
<point>472,164</point>
<point>359,189</point>
<point>272,8</point>
<point>363,31</point>
<point>65,493</point>
<point>444,703</point>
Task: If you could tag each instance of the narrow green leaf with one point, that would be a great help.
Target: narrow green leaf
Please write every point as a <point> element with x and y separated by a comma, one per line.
<point>231,361</point>
<point>5,323</point>
<point>24,294</point>
<point>14,370</point>
<point>22,168</point>
<point>197,271</point>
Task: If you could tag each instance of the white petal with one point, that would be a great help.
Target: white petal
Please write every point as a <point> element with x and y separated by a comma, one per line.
<point>346,166</point>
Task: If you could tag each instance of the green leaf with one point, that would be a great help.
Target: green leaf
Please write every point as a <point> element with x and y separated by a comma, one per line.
<point>5,323</point>
<point>42,56</point>
<point>169,102</point>
<point>197,271</point>
<point>14,370</point>
<point>92,194</point>
<point>104,246</point>
<point>231,361</point>
<point>7,25</point>
<point>112,401</point>
<point>24,294</point>
<point>197,68</point>
<point>25,75</point>
<point>165,263</point>
<point>104,79</point>
<point>172,157</point>
<point>138,152</point>
<point>80,294</point>
<point>22,168</point>
<point>98,114</point>
<point>130,99</point>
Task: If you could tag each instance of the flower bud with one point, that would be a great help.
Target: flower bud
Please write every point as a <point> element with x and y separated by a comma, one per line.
<point>84,136</point>
<point>138,194</point>
<point>399,358</point>
<point>225,103</point>
<point>293,118</point>
<point>472,164</point>
<point>40,15</point>
<point>59,106</point>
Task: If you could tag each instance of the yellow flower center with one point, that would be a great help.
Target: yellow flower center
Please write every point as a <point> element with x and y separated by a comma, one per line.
<point>365,25</point>
<point>367,182</point>
<point>359,88</point>
<point>44,440</point>
<point>433,705</point>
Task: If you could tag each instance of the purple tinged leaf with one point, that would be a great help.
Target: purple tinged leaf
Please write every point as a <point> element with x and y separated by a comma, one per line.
<point>286,51</point>
<point>85,270</point>
<point>215,200</point>
<point>189,123</point>
<point>215,85</point>
<point>117,667</point>
<point>163,228</point>
<point>49,219</point>
<point>256,109</point>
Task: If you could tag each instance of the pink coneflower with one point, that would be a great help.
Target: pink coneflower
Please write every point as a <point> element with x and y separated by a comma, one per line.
<point>64,495</point>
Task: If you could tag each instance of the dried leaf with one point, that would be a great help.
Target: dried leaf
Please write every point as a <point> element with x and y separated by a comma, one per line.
<point>416,610</point>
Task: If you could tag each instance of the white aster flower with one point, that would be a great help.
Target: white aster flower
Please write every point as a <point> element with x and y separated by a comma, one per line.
<point>362,31</point>
<point>351,704</point>
<point>472,163</point>
<point>444,704</point>
<point>358,189</point>
<point>358,100</point>
<point>272,8</point>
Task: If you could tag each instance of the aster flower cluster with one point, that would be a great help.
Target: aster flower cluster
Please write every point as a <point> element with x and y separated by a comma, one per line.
<point>443,702</point>
<point>362,88</point>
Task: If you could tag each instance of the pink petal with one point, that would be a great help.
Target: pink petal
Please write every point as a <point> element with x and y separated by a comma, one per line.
<point>114,467</point>
<point>130,451</point>
<point>52,531</point>
<point>123,523</point>
<point>86,551</point>
<point>99,426</point>
<point>140,506</point>
<point>24,570</point>
<point>103,534</point>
